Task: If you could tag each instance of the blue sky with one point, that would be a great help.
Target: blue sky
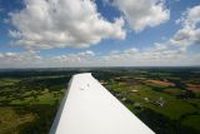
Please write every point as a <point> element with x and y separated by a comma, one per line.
<point>99,33</point>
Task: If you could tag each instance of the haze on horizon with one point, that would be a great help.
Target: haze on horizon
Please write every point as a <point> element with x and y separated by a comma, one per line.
<point>65,33</point>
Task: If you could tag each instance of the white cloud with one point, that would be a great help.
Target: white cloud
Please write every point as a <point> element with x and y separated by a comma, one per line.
<point>144,13</point>
<point>48,24</point>
<point>1,55</point>
<point>33,59</point>
<point>73,59</point>
<point>20,59</point>
<point>190,32</point>
<point>159,55</point>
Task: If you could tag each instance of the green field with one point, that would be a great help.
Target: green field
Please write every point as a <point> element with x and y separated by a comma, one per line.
<point>160,97</point>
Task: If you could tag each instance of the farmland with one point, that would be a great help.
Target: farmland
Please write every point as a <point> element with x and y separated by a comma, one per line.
<point>165,99</point>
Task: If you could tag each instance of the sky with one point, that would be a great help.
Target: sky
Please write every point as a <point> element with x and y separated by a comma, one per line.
<point>98,33</point>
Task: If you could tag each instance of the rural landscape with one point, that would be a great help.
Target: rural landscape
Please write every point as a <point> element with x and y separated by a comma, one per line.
<point>167,99</point>
<point>145,53</point>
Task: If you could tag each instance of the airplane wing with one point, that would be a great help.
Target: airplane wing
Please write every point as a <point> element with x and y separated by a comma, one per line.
<point>89,108</point>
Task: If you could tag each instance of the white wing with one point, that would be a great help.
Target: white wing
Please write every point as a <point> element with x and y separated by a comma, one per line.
<point>88,108</point>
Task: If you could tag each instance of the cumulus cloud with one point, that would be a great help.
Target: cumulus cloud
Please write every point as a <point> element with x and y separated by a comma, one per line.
<point>144,13</point>
<point>190,32</point>
<point>78,58</point>
<point>33,59</point>
<point>48,24</point>
<point>20,59</point>
<point>159,55</point>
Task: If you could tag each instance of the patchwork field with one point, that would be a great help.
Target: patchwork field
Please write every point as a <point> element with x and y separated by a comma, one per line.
<point>166,99</point>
